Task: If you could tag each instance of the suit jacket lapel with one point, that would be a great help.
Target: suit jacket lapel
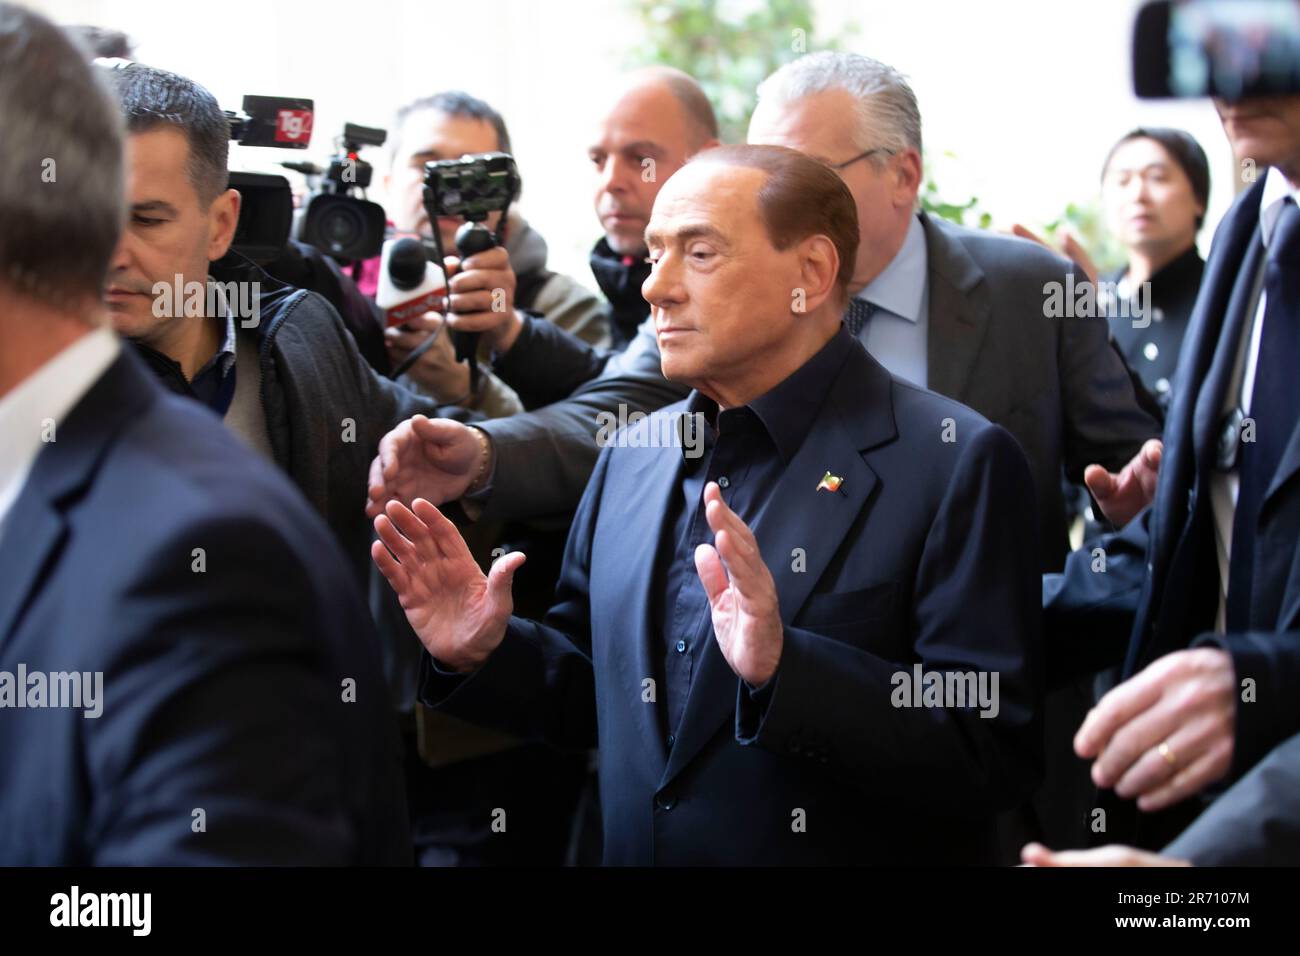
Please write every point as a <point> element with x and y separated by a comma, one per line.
<point>1191,432</point>
<point>657,476</point>
<point>37,526</point>
<point>35,531</point>
<point>858,415</point>
<point>958,312</point>
<point>1214,390</point>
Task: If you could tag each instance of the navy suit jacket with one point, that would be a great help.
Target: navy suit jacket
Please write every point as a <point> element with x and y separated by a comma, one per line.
<point>223,688</point>
<point>1160,589</point>
<point>927,554</point>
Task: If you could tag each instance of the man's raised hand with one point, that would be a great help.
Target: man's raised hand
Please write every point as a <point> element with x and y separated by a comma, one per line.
<point>1121,496</point>
<point>433,458</point>
<point>458,613</point>
<point>742,594</point>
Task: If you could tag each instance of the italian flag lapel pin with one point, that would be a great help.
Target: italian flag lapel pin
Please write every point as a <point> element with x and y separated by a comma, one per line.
<point>830,482</point>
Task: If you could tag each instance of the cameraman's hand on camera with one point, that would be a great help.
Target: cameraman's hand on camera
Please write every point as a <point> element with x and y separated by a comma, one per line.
<point>483,298</point>
<point>458,613</point>
<point>434,458</point>
<point>436,371</point>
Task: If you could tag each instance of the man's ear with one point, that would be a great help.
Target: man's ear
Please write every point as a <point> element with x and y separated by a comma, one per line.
<point>819,264</point>
<point>223,218</point>
<point>908,173</point>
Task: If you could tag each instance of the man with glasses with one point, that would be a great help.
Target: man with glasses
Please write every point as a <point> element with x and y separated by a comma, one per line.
<point>963,312</point>
<point>966,313</point>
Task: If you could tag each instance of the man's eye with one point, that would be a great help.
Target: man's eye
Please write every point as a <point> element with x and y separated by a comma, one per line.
<point>701,255</point>
<point>146,221</point>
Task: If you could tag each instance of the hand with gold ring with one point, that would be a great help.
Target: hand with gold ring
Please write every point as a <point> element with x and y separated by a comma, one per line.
<point>1167,732</point>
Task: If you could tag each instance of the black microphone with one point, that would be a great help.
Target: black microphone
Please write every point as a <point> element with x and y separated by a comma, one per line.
<point>471,239</point>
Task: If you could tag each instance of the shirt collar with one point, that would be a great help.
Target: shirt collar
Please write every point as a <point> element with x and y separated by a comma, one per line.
<point>43,400</point>
<point>1183,272</point>
<point>901,286</point>
<point>1276,192</point>
<point>787,410</point>
<point>225,356</point>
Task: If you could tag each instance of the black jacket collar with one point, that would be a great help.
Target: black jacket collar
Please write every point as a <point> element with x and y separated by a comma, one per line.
<point>620,278</point>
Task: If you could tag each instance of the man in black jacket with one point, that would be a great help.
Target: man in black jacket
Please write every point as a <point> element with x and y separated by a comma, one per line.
<point>658,118</point>
<point>273,361</point>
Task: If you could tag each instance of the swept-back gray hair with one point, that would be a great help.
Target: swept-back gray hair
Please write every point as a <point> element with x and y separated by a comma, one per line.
<point>62,205</point>
<point>887,113</point>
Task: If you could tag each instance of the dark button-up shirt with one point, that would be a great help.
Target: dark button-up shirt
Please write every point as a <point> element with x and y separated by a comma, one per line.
<point>745,450</point>
<point>214,384</point>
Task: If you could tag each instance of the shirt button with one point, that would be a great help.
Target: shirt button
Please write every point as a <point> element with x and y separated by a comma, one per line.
<point>671,740</point>
<point>681,647</point>
<point>1151,351</point>
<point>724,482</point>
<point>665,801</point>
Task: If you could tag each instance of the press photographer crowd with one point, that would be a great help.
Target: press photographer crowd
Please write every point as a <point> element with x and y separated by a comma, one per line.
<point>808,528</point>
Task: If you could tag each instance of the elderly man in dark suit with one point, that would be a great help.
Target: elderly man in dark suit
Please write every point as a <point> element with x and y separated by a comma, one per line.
<point>187,671</point>
<point>966,313</point>
<point>781,599</point>
<point>1200,597</point>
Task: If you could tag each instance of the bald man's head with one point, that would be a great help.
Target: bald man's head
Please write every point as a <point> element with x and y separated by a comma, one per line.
<point>656,119</point>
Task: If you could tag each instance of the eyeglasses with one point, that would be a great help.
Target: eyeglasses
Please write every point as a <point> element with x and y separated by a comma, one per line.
<point>870,152</point>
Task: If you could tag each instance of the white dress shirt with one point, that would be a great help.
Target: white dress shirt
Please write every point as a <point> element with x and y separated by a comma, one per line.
<point>32,411</point>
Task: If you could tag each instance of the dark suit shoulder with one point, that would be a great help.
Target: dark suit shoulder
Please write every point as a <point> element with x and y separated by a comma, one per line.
<point>1008,258</point>
<point>175,475</point>
<point>915,406</point>
<point>939,438</point>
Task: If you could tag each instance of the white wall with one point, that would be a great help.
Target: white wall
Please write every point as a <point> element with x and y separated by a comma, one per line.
<point>1029,94</point>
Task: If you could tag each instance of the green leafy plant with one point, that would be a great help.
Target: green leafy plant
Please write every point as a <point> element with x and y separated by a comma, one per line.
<point>1085,222</point>
<point>730,46</point>
<point>964,212</point>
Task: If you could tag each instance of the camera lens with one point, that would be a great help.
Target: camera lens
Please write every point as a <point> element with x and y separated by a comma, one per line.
<point>341,227</point>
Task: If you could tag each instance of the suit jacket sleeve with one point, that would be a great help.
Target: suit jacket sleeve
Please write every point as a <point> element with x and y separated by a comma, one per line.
<point>1272,661</point>
<point>213,701</point>
<point>539,683</point>
<point>1105,419</point>
<point>548,363</point>
<point>543,458</point>
<point>975,609</point>
<point>1089,608</point>
<point>1255,823</point>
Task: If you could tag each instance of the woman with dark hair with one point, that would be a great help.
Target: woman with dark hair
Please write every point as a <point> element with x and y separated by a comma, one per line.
<point>1155,188</point>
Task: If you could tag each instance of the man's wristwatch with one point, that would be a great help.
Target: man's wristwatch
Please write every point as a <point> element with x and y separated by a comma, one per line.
<point>485,460</point>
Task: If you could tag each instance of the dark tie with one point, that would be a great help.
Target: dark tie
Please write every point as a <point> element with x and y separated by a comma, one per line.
<point>1274,405</point>
<point>857,315</point>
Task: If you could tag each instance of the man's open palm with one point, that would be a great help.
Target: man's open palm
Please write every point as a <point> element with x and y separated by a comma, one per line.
<point>458,613</point>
